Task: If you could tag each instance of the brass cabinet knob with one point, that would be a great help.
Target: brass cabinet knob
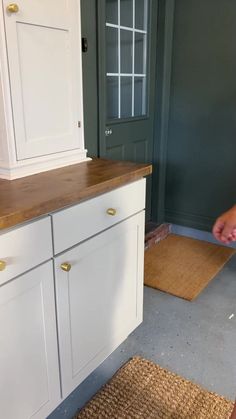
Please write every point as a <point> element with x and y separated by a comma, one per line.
<point>111,211</point>
<point>13,8</point>
<point>66,266</point>
<point>3,265</point>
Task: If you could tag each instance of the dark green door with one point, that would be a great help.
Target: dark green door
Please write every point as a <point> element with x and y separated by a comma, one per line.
<point>127,58</point>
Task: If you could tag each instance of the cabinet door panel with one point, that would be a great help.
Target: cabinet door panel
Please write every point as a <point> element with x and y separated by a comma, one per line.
<point>29,378</point>
<point>99,300</point>
<point>43,42</point>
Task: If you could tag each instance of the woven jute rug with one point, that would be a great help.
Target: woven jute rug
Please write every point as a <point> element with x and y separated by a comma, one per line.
<point>141,389</point>
<point>182,266</point>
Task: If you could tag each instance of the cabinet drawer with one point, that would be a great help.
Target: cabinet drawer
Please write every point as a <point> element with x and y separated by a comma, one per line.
<point>24,247</point>
<point>77,223</point>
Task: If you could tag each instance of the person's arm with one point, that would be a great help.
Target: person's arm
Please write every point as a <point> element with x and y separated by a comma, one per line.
<point>224,228</point>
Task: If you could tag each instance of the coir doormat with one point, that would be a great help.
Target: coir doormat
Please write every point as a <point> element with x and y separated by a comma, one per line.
<point>182,266</point>
<point>143,390</point>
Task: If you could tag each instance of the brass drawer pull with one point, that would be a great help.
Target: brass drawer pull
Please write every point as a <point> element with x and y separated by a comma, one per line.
<point>66,266</point>
<point>3,265</point>
<point>13,8</point>
<point>111,211</point>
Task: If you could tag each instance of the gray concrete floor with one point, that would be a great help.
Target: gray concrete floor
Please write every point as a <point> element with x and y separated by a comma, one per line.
<point>194,339</point>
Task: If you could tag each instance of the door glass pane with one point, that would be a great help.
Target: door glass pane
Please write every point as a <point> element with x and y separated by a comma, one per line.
<point>126,97</point>
<point>126,13</point>
<point>126,58</point>
<point>111,50</point>
<point>112,97</point>
<point>126,48</point>
<point>141,14</point>
<point>140,62</point>
<point>139,96</point>
<point>112,11</point>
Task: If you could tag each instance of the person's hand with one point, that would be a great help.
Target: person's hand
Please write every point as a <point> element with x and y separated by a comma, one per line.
<point>224,228</point>
<point>233,414</point>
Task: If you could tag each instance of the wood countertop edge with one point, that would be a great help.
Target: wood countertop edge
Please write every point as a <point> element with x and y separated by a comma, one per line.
<point>14,219</point>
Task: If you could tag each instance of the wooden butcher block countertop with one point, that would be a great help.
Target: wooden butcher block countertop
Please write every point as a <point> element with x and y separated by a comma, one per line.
<point>32,196</point>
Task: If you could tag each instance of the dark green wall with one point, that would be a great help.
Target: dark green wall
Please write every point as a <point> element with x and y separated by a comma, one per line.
<point>195,125</point>
<point>201,137</point>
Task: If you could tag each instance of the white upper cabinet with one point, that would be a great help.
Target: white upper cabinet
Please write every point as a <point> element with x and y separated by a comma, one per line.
<point>43,54</point>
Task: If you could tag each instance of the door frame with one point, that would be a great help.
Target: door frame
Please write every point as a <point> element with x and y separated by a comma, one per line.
<point>165,35</point>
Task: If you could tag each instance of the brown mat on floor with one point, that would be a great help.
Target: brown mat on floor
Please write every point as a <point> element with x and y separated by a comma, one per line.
<point>141,389</point>
<point>182,266</point>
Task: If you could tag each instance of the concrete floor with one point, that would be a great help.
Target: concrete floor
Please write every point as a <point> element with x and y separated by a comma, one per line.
<point>194,339</point>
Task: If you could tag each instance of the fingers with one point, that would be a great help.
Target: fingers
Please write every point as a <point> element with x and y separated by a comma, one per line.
<point>224,228</point>
<point>234,234</point>
<point>218,228</point>
<point>227,234</point>
<point>224,232</point>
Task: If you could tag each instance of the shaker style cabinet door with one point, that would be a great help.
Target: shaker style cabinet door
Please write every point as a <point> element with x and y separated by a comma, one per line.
<point>99,297</point>
<point>43,47</point>
<point>29,377</point>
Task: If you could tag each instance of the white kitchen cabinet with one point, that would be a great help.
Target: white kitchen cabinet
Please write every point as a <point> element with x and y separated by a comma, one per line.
<point>97,248</point>
<point>29,371</point>
<point>99,301</point>
<point>41,101</point>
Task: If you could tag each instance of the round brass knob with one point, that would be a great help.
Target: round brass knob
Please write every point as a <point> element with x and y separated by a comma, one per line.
<point>111,211</point>
<point>13,8</point>
<point>66,266</point>
<point>3,265</point>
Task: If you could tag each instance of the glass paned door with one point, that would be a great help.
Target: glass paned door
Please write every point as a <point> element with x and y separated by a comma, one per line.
<point>126,58</point>
<point>127,47</point>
